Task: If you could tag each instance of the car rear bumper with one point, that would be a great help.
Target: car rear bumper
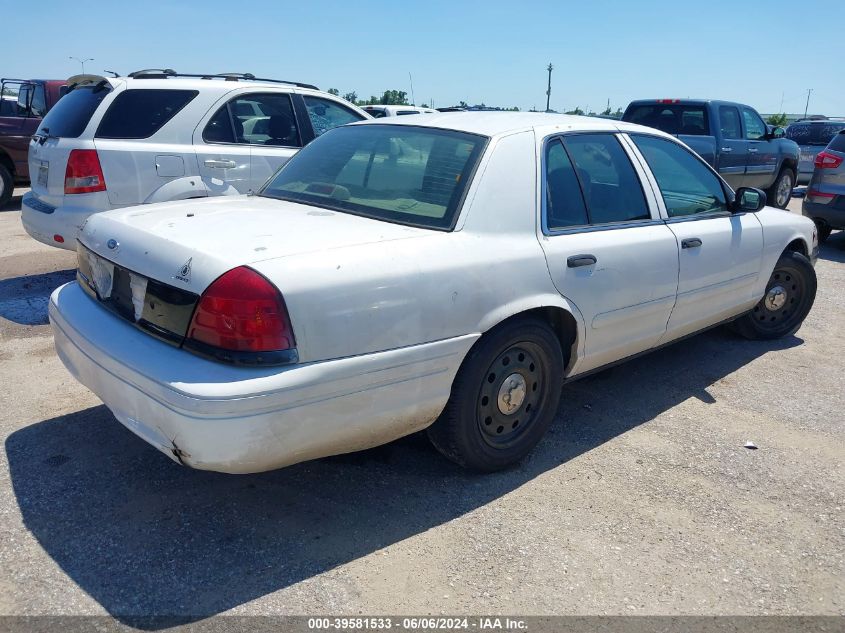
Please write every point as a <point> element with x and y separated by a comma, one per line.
<point>44,222</point>
<point>233,419</point>
<point>831,214</point>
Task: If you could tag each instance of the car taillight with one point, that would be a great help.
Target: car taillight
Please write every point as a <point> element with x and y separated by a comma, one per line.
<point>241,312</point>
<point>826,160</point>
<point>83,173</point>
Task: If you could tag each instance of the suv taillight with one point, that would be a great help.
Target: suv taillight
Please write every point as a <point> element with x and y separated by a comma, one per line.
<point>83,173</point>
<point>243,313</point>
<point>826,160</point>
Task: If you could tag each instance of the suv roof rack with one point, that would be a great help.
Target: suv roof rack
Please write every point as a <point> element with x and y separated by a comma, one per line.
<point>164,73</point>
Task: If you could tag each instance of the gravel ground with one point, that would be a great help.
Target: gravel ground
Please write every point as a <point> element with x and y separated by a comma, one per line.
<point>642,500</point>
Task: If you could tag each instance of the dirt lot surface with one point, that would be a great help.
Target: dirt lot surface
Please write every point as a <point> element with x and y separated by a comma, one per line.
<point>642,500</point>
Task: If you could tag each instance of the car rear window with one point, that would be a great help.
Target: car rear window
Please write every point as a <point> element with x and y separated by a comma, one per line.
<point>141,113</point>
<point>398,173</point>
<point>71,114</point>
<point>671,118</point>
<point>837,144</point>
<point>814,133</point>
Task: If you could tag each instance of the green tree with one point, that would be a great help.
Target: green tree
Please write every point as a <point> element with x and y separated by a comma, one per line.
<point>577,111</point>
<point>607,111</point>
<point>777,119</point>
<point>334,91</point>
<point>394,97</point>
<point>351,97</point>
<point>463,104</point>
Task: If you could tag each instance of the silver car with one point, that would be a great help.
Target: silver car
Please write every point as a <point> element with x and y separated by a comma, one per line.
<point>812,136</point>
<point>825,199</point>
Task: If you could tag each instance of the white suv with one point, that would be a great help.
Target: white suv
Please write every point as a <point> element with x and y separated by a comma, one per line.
<point>156,136</point>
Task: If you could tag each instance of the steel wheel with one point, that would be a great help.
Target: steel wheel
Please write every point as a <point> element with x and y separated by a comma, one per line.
<point>509,395</point>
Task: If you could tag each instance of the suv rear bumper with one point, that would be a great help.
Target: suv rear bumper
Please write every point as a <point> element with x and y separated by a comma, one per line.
<point>831,214</point>
<point>43,221</point>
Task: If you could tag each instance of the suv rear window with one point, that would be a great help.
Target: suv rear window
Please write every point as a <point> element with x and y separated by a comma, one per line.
<point>398,173</point>
<point>838,142</point>
<point>671,118</point>
<point>142,113</point>
<point>814,133</point>
<point>70,115</point>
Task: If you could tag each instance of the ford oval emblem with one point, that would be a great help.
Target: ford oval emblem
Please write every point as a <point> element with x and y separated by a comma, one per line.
<point>112,244</point>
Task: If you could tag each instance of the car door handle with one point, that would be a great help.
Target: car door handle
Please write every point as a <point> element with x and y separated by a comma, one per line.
<point>219,164</point>
<point>580,260</point>
<point>727,150</point>
<point>752,150</point>
<point>691,242</point>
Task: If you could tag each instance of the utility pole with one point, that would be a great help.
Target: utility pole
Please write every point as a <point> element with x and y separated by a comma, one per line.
<point>807,107</point>
<point>549,89</point>
<point>82,61</point>
<point>413,100</point>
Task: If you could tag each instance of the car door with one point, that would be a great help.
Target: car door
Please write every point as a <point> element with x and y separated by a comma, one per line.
<point>762,156</point>
<point>270,127</point>
<point>733,148</point>
<point>607,249</point>
<point>222,153</point>
<point>720,252</point>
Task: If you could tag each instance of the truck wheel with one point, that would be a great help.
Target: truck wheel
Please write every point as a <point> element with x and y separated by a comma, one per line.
<point>789,296</point>
<point>780,192</point>
<point>6,186</point>
<point>504,397</point>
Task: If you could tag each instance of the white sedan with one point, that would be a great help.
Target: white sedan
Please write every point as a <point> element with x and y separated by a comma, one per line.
<point>448,272</point>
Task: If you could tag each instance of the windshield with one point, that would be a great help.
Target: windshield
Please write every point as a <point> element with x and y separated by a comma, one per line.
<point>398,173</point>
<point>814,133</point>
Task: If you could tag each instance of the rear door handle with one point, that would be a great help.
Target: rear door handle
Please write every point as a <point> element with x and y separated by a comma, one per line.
<point>691,242</point>
<point>753,150</point>
<point>219,164</point>
<point>727,150</point>
<point>580,260</point>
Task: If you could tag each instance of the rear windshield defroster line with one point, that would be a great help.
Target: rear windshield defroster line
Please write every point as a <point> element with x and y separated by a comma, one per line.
<point>412,175</point>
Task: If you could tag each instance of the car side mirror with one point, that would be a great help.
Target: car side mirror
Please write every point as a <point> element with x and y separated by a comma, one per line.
<point>778,132</point>
<point>748,200</point>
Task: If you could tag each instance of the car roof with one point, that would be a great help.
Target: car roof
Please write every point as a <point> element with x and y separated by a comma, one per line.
<point>487,123</point>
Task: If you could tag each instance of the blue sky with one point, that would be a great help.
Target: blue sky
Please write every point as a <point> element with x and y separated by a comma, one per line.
<point>494,52</point>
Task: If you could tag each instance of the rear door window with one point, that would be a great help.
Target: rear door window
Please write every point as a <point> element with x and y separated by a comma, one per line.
<point>729,123</point>
<point>255,119</point>
<point>611,188</point>
<point>69,117</point>
<point>140,113</point>
<point>564,201</point>
<point>326,114</point>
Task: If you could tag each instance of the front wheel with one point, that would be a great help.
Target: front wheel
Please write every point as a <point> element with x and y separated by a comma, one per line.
<point>781,191</point>
<point>504,397</point>
<point>6,186</point>
<point>789,296</point>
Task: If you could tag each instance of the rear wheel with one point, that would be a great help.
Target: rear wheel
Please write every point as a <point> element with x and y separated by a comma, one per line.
<point>504,397</point>
<point>6,186</point>
<point>789,296</point>
<point>780,192</point>
<point>822,230</point>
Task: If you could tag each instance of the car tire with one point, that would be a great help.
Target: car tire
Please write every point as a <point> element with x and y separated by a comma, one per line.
<point>7,186</point>
<point>780,193</point>
<point>789,296</point>
<point>518,364</point>
<point>822,231</point>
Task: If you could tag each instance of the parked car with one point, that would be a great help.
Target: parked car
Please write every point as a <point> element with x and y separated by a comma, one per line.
<point>732,137</point>
<point>379,111</point>
<point>812,136</point>
<point>824,202</point>
<point>448,272</point>
<point>23,104</point>
<point>157,136</point>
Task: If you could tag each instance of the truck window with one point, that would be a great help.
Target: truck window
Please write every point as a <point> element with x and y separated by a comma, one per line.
<point>671,118</point>
<point>71,114</point>
<point>755,129</point>
<point>729,122</point>
<point>39,101</point>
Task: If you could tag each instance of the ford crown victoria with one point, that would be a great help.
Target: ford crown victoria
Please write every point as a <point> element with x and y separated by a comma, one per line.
<point>449,272</point>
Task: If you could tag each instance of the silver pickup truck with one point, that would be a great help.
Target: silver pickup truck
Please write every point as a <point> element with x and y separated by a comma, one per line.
<point>732,137</point>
